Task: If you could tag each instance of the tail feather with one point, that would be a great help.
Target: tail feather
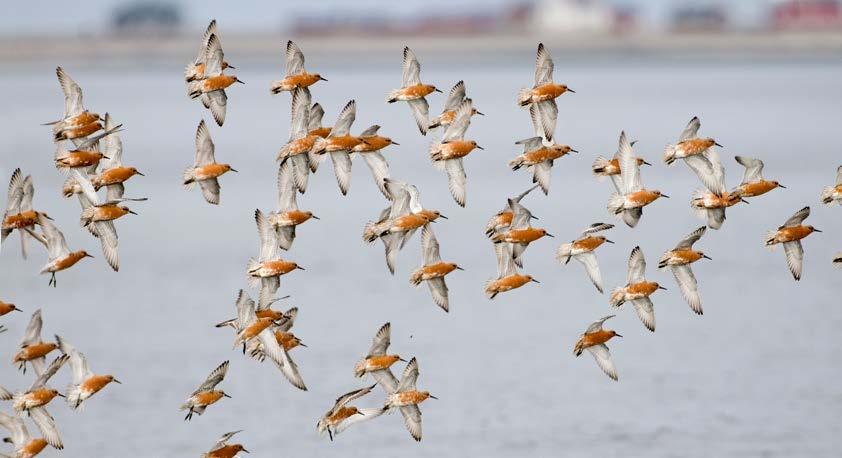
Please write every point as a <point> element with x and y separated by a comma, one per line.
<point>194,89</point>
<point>516,163</point>
<point>524,97</point>
<point>564,252</point>
<point>392,96</point>
<point>188,179</point>
<point>618,297</point>
<point>827,195</point>
<point>490,292</point>
<point>371,232</point>
<point>669,154</point>
<point>73,395</point>
<point>770,239</point>
<point>599,165</point>
<point>616,203</point>
<point>416,277</point>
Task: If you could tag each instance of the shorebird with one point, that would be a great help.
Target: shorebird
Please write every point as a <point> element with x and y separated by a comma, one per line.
<point>338,144</point>
<point>833,194</point>
<point>406,398</point>
<point>81,156</point>
<point>543,95</point>
<point>250,327</point>
<point>377,363</point>
<point>629,201</point>
<point>520,232</point>
<point>412,91</point>
<point>689,146</point>
<point>341,416</point>
<point>77,122</point>
<point>434,269</point>
<point>315,125</point>
<point>264,310</point>
<point>790,235</point>
<point>593,340</point>
<point>837,260</point>
<point>288,216</point>
<point>6,307</point>
<point>39,394</point>
<point>502,220</point>
<point>296,76</point>
<point>610,168</point>
<point>113,174</point>
<point>454,99</point>
<point>638,290</point>
<point>754,184</point>
<point>19,213</point>
<point>582,249</point>
<point>447,154</point>
<point>196,70</point>
<point>268,267</point>
<point>58,253</point>
<point>539,157</point>
<point>678,260</point>
<point>369,149</point>
<point>508,277</point>
<point>212,87</point>
<point>206,394</point>
<point>33,350</point>
<point>205,170</point>
<point>85,383</point>
<point>25,445</point>
<point>712,203</point>
<point>222,449</point>
<point>301,141</point>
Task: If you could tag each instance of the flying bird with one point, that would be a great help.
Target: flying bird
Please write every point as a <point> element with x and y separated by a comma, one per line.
<point>77,122</point>
<point>447,154</point>
<point>543,94</point>
<point>678,260</point>
<point>502,220</point>
<point>629,202</point>
<point>341,416</point>
<point>583,250</point>
<point>338,144</point>
<point>508,277</point>
<point>222,449</point>
<point>205,170</point>
<point>638,290</point>
<point>295,76</point>
<point>211,88</point>
<point>520,232</point>
<point>206,394</point>
<point>85,383</point>
<point>539,157</point>
<point>753,183</point>
<point>377,362</point>
<point>454,99</point>
<point>833,194</point>
<point>412,91</point>
<point>406,398</point>
<point>790,234</point>
<point>593,340</point>
<point>434,269</point>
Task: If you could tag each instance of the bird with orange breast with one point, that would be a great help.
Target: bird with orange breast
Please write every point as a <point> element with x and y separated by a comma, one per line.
<point>205,170</point>
<point>542,95</point>
<point>753,183</point>
<point>6,307</point>
<point>508,277</point>
<point>502,220</point>
<point>833,194</point>
<point>341,416</point>
<point>33,350</point>
<point>629,202</point>
<point>583,250</point>
<point>454,100</point>
<point>25,445</point>
<point>520,232</point>
<point>593,340</point>
<point>790,234</point>
<point>689,146</point>
<point>77,122</point>
<point>413,91</point>
<point>59,256</point>
<point>678,260</point>
<point>113,173</point>
<point>338,144</point>
<point>38,394</point>
<point>434,269</point>
<point>638,290</point>
<point>222,449</point>
<point>19,213</point>
<point>711,204</point>
<point>281,328</point>
<point>295,76</point>
<point>447,153</point>
<point>85,155</point>
<point>369,149</point>
<point>539,157</point>
<point>377,362</point>
<point>301,141</point>
<point>85,383</point>
<point>211,89</point>
<point>610,168</point>
<point>196,70</point>
<point>288,216</point>
<point>206,394</point>
<point>315,126</point>
<point>406,397</point>
<point>268,267</point>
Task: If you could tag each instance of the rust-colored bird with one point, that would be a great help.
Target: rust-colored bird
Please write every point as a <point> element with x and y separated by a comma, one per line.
<point>790,234</point>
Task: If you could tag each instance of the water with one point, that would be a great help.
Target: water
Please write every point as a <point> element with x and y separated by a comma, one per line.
<point>755,376</point>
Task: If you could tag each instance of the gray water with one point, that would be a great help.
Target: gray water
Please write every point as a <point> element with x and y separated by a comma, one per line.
<point>757,375</point>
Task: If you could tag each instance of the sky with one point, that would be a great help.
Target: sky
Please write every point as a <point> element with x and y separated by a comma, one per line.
<point>28,18</point>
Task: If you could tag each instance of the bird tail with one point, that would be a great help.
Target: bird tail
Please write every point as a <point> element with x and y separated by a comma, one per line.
<point>516,163</point>
<point>194,89</point>
<point>416,277</point>
<point>498,237</point>
<point>599,165</point>
<point>392,96</point>
<point>68,186</point>
<point>359,369</point>
<point>618,297</point>
<point>524,97</point>
<point>770,239</point>
<point>283,153</point>
<point>490,291</point>
<point>253,267</point>
<point>86,216</point>
<point>669,154</point>
<point>371,232</point>
<point>435,122</point>
<point>73,394</point>
<point>276,87</point>
<point>579,348</point>
<point>564,252</point>
<point>827,195</point>
<point>188,179</point>
<point>436,154</point>
<point>616,203</point>
<point>18,402</point>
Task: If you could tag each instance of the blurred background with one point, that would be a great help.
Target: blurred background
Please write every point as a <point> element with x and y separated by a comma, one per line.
<point>757,375</point>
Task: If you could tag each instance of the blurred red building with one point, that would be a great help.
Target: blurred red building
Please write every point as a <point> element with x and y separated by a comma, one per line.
<point>807,15</point>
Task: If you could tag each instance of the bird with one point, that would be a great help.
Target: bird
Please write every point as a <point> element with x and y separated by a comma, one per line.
<point>113,174</point>
<point>753,183</point>
<point>196,70</point>
<point>377,363</point>
<point>33,349</point>
<point>508,277</point>
<point>264,310</point>
<point>19,212</point>
<point>833,194</point>
<point>341,416</point>
<point>447,154</point>
<point>81,156</point>
<point>451,104</point>
<point>222,449</point>
<point>25,445</point>
<point>502,220</point>
<point>582,249</point>
<point>837,260</point>
<point>406,399</point>
<point>638,290</point>
<point>288,216</point>
<point>543,94</point>
<point>85,383</point>
<point>369,149</point>
<point>338,144</point>
<point>206,394</point>
<point>689,146</point>
<point>6,307</point>
<point>315,127</point>
<point>268,267</point>
<point>295,76</point>
<point>59,255</point>
<point>434,269</point>
<point>301,141</point>
<point>520,232</point>
<point>413,91</point>
<point>790,235</point>
<point>712,203</point>
<point>678,260</point>
<point>38,394</point>
<point>211,88</point>
<point>205,170</point>
<point>629,201</point>
<point>593,340</point>
<point>610,168</point>
<point>77,122</point>
<point>539,157</point>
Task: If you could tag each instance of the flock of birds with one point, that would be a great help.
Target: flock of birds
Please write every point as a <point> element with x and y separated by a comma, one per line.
<point>89,152</point>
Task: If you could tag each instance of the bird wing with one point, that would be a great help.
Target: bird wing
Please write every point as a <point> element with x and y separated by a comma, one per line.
<point>107,234</point>
<point>218,101</point>
<point>362,415</point>
<point>386,379</point>
<point>112,147</point>
<point>268,239</point>
<point>294,59</point>
<point>370,132</point>
<point>629,169</point>
<point>286,187</point>
<point>411,68</point>
<point>342,169</point>
<point>213,379</point>
<point>15,425</point>
<point>429,246</point>
<point>544,115</point>
<point>409,377</point>
<point>505,261</point>
<point>15,193</point>
<point>637,266</point>
<point>839,175</point>
<point>691,130</point>
<point>222,441</point>
<point>521,216</point>
<point>688,286</point>
<point>709,170</point>
<point>85,184</point>
<point>754,168</point>
<point>596,227</point>
<point>455,96</point>
<point>543,66</point>
<point>345,120</point>
<point>379,169</point>
<point>421,112</point>
<point>245,310</point>
<point>531,144</point>
<point>78,362</point>
<point>47,425</point>
<point>597,325</point>
<point>316,115</point>
<point>381,340</point>
<point>281,359</point>
<point>520,196</point>
<point>32,334</point>
<point>693,237</point>
<point>72,94</point>
<point>461,121</point>
<point>438,288</point>
<point>797,218</point>
<point>211,30</point>
<point>715,217</point>
<point>28,194</point>
<point>794,257</point>
<point>204,146</point>
<point>350,396</point>
<point>592,267</point>
<point>541,173</point>
<point>214,56</point>
<point>300,117</point>
<point>412,420</point>
<point>56,244</point>
<point>456,180</point>
<point>645,311</point>
<point>210,190</point>
<point>603,359</point>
